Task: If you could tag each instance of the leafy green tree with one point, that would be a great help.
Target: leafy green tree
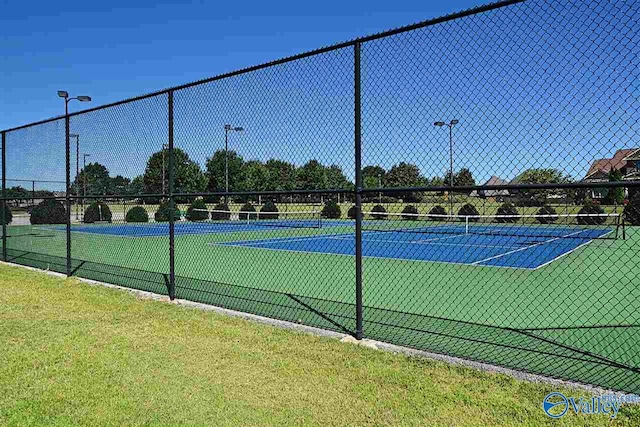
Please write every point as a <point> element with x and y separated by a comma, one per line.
<point>253,176</point>
<point>335,178</point>
<point>311,176</point>
<point>215,171</point>
<point>405,175</point>
<point>188,175</point>
<point>538,197</point>
<point>463,178</point>
<point>373,176</point>
<point>281,175</point>
<point>136,186</point>
<point>615,195</point>
<point>119,185</point>
<point>96,178</point>
<point>18,195</point>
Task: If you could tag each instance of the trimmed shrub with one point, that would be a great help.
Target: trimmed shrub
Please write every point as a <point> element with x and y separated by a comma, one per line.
<point>8,217</point>
<point>197,211</point>
<point>469,210</point>
<point>137,214</point>
<point>97,211</point>
<point>379,212</point>
<point>331,210</point>
<point>351,213</point>
<point>547,215</point>
<point>269,211</point>
<point>49,212</point>
<point>591,208</point>
<point>509,210</point>
<point>437,213</point>
<point>247,211</point>
<point>221,212</point>
<point>162,214</point>
<point>410,213</point>
<point>632,209</point>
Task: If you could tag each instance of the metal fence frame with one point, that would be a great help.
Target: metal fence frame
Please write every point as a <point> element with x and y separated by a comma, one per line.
<point>357,193</point>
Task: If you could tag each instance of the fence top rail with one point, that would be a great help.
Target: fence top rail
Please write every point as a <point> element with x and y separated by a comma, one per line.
<point>337,46</point>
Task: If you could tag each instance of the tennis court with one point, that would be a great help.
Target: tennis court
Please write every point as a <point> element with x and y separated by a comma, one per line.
<point>465,240</point>
<point>463,248</point>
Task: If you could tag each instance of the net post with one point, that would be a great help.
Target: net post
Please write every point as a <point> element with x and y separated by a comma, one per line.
<point>68,189</point>
<point>172,267</point>
<point>4,196</point>
<point>358,188</point>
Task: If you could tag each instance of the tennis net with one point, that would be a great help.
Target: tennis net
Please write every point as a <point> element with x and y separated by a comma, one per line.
<point>303,219</point>
<point>576,226</point>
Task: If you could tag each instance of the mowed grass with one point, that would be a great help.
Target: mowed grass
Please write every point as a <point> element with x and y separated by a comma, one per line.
<point>77,354</point>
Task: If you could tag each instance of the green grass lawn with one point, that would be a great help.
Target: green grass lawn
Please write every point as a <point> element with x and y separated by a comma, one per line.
<point>76,354</point>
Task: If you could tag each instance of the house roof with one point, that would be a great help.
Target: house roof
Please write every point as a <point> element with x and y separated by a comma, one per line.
<point>494,180</point>
<point>618,160</point>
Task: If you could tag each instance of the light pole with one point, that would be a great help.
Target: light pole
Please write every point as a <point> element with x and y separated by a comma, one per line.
<point>77,137</point>
<point>380,186</point>
<point>84,177</point>
<point>450,126</point>
<point>227,129</point>
<point>67,99</point>
<point>164,147</point>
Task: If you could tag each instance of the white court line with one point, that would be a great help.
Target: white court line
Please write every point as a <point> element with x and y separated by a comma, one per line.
<point>525,248</point>
<point>572,250</point>
<point>366,256</point>
<point>431,242</point>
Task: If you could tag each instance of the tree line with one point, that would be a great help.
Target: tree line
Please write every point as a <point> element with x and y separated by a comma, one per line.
<point>278,175</point>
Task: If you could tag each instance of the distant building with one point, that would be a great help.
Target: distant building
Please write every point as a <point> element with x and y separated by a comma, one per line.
<point>492,194</point>
<point>627,161</point>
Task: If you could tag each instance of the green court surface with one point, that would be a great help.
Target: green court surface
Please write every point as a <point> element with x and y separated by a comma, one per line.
<point>557,320</point>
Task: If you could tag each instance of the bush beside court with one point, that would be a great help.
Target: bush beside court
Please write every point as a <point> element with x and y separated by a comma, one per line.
<point>331,210</point>
<point>437,213</point>
<point>594,212</point>
<point>221,212</point>
<point>468,210</point>
<point>247,211</point>
<point>48,212</point>
<point>137,214</point>
<point>547,215</point>
<point>197,211</point>
<point>8,217</point>
<point>507,213</point>
<point>379,212</point>
<point>269,210</point>
<point>162,214</point>
<point>97,211</point>
<point>410,213</point>
<point>351,213</point>
<point>632,210</point>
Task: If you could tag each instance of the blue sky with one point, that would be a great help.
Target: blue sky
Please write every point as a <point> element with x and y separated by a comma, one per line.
<point>541,84</point>
<point>119,49</point>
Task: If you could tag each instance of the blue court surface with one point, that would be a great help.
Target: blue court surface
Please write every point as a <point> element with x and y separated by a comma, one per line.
<point>446,244</point>
<point>183,228</point>
<point>496,245</point>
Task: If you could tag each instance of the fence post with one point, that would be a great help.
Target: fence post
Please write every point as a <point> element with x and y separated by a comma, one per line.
<point>172,206</point>
<point>4,196</point>
<point>67,192</point>
<point>358,189</point>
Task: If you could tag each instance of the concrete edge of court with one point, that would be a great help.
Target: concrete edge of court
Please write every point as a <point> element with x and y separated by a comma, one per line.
<point>344,338</point>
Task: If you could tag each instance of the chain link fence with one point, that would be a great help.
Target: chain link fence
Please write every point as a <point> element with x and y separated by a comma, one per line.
<point>466,185</point>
